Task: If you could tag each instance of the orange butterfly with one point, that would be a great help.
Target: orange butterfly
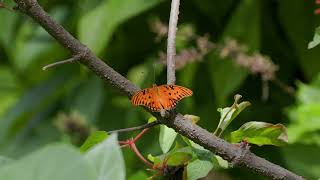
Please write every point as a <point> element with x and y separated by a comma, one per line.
<point>158,98</point>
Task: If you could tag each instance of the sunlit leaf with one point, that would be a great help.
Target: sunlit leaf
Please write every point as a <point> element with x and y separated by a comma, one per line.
<point>305,116</point>
<point>316,39</point>
<point>94,139</point>
<point>194,119</point>
<point>62,162</point>
<point>152,119</point>
<point>198,169</point>
<point>178,158</point>
<point>107,159</point>
<point>4,161</point>
<point>166,138</point>
<point>308,94</point>
<point>155,159</point>
<point>305,123</point>
<point>260,133</point>
<point>228,114</point>
<point>221,162</point>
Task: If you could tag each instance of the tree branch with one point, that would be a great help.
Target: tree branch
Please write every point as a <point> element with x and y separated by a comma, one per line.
<point>171,46</point>
<point>176,121</point>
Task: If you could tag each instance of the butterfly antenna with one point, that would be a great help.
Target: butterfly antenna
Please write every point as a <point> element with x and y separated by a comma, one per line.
<point>154,72</point>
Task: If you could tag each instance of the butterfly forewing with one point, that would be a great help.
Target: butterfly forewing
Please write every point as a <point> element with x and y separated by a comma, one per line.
<point>147,97</point>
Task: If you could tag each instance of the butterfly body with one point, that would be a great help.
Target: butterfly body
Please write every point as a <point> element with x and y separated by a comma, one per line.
<point>158,98</point>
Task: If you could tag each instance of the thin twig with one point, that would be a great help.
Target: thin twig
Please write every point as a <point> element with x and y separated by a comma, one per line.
<point>171,47</point>
<point>154,123</point>
<point>137,152</point>
<point>2,5</point>
<point>265,89</point>
<point>67,61</point>
<point>290,90</point>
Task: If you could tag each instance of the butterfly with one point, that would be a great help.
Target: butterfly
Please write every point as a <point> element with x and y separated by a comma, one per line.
<point>159,98</point>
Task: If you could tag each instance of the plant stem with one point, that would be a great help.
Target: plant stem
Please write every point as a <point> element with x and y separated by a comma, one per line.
<point>171,46</point>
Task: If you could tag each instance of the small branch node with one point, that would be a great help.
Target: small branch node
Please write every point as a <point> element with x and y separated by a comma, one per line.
<point>67,61</point>
<point>243,150</point>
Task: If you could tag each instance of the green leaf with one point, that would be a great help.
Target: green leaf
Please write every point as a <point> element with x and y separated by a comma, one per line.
<point>228,114</point>
<point>224,84</point>
<point>96,27</point>
<point>305,124</point>
<point>199,151</point>
<point>305,116</point>
<point>9,89</point>
<point>32,43</point>
<point>107,159</point>
<point>260,133</point>
<point>198,169</point>
<point>166,138</point>
<point>308,94</point>
<point>316,39</point>
<point>4,161</point>
<point>152,119</point>
<point>54,162</point>
<point>85,96</point>
<point>221,162</point>
<point>303,160</point>
<point>140,175</point>
<point>40,96</point>
<point>296,18</point>
<point>138,74</point>
<point>155,159</point>
<point>7,28</point>
<point>178,158</point>
<point>94,139</point>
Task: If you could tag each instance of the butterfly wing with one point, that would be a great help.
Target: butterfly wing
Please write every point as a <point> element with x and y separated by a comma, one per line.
<point>170,95</point>
<point>148,98</point>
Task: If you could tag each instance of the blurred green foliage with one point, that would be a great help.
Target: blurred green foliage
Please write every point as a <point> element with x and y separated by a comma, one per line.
<point>118,31</point>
